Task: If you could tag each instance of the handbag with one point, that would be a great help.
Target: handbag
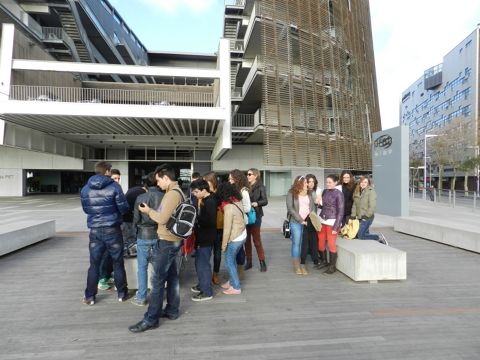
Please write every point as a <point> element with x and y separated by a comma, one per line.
<point>252,216</point>
<point>286,229</point>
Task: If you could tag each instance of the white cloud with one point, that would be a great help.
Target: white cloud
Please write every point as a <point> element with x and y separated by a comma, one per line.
<point>411,36</point>
<point>171,6</point>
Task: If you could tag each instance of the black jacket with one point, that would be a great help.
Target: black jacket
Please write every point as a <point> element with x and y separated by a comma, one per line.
<point>347,200</point>
<point>206,226</point>
<point>258,194</point>
<point>131,196</point>
<point>146,227</point>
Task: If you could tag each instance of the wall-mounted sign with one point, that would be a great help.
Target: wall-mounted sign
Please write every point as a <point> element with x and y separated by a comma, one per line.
<point>384,141</point>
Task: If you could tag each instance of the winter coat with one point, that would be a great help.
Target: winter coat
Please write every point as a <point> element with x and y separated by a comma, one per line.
<point>332,207</point>
<point>233,223</point>
<point>146,227</point>
<point>103,201</point>
<point>206,226</point>
<point>258,194</point>
<point>131,196</point>
<point>364,203</point>
<point>293,207</point>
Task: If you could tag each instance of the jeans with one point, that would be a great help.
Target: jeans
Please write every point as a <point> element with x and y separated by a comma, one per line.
<point>204,269</point>
<point>144,253</point>
<point>253,233</point>
<point>230,256</point>
<point>217,251</point>
<point>363,231</point>
<point>296,234</point>
<point>106,266</point>
<point>164,256</point>
<point>109,238</point>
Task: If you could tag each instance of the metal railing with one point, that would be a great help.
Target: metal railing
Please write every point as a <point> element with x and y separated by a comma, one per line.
<point>236,45</point>
<point>53,33</point>
<point>453,198</point>
<point>234,2</point>
<point>243,120</point>
<point>237,92</point>
<point>111,96</point>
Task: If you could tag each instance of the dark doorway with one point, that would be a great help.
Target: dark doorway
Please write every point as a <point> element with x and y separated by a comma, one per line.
<point>183,172</point>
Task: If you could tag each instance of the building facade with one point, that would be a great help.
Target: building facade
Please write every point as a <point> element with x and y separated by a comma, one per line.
<point>304,73</point>
<point>446,93</point>
<point>291,90</point>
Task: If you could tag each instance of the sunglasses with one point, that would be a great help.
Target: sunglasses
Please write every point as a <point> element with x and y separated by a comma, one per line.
<point>249,174</point>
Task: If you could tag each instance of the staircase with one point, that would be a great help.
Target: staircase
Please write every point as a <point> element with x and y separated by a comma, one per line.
<point>70,26</point>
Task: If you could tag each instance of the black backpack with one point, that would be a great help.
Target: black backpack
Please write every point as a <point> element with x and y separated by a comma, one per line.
<point>182,220</point>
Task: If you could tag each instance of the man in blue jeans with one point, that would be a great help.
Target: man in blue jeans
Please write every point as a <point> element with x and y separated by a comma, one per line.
<point>104,203</point>
<point>205,233</point>
<point>146,235</point>
<point>164,254</point>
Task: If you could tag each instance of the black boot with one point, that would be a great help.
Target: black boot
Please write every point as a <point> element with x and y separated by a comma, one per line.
<point>263,266</point>
<point>322,260</point>
<point>332,266</point>
<point>248,265</point>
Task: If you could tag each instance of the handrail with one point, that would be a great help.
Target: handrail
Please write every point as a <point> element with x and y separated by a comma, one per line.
<point>243,120</point>
<point>111,96</point>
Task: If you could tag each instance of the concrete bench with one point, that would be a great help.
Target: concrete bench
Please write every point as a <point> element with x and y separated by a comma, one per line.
<point>19,234</point>
<point>131,267</point>
<point>368,260</point>
<point>443,231</point>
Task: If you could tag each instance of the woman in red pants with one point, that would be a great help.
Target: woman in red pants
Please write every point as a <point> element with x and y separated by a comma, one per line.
<point>331,217</point>
<point>258,198</point>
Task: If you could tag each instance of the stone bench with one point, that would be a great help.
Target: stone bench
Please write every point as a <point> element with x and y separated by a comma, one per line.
<point>368,260</point>
<point>19,234</point>
<point>440,230</point>
<point>131,267</point>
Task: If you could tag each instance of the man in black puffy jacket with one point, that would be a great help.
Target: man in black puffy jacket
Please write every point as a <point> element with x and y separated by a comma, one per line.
<point>104,203</point>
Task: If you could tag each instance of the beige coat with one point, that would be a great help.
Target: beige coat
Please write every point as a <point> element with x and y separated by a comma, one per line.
<point>161,216</point>
<point>233,223</point>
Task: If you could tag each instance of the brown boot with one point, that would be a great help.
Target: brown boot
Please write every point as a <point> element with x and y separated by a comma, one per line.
<point>216,278</point>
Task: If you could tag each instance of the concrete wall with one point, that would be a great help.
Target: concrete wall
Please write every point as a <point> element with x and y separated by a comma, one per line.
<point>13,161</point>
<point>241,157</point>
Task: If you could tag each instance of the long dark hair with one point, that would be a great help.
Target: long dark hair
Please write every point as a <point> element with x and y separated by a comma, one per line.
<point>226,191</point>
<point>240,179</point>
<point>351,185</point>
<point>315,181</point>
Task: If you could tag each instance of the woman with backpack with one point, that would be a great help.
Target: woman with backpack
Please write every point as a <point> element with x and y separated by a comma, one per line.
<point>240,182</point>
<point>234,233</point>
<point>258,197</point>
<point>300,203</point>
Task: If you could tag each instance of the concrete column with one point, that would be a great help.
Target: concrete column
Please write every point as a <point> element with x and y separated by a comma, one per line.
<point>6,56</point>
<point>224,141</point>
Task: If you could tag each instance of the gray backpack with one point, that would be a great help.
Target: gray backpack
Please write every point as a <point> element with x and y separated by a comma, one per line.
<point>182,221</point>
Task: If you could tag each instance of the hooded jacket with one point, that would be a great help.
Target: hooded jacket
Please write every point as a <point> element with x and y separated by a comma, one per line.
<point>103,201</point>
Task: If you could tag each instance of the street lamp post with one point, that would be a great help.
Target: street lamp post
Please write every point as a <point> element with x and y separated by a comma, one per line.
<point>425,164</point>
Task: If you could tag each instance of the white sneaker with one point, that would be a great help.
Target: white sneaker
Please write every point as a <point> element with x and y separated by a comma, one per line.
<point>382,239</point>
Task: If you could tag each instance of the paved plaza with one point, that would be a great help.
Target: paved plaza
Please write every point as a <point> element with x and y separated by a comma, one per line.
<point>435,314</point>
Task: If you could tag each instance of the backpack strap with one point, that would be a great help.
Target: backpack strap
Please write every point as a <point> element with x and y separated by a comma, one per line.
<point>182,195</point>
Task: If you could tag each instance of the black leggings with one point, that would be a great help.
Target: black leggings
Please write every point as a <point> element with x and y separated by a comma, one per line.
<point>309,243</point>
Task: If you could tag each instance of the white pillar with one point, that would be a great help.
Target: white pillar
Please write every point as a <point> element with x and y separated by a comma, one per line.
<point>224,141</point>
<point>6,55</point>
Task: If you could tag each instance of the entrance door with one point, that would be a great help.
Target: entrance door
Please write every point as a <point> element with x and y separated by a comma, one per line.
<point>136,170</point>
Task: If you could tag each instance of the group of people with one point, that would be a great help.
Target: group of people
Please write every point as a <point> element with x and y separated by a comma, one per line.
<point>225,224</point>
<point>341,201</point>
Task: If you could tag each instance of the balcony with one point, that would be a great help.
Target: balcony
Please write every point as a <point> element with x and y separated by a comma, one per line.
<point>113,96</point>
<point>236,46</point>
<point>235,3</point>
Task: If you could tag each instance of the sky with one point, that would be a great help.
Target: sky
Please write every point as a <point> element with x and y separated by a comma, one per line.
<point>409,36</point>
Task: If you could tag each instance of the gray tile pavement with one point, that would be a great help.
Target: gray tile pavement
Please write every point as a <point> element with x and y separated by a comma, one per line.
<point>435,314</point>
